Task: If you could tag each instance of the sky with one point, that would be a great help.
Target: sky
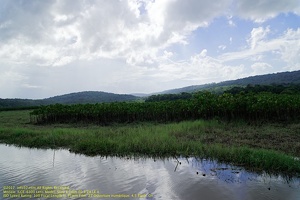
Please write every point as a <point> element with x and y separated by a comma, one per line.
<point>54,47</point>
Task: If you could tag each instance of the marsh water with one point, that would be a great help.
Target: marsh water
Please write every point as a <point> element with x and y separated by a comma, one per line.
<point>137,178</point>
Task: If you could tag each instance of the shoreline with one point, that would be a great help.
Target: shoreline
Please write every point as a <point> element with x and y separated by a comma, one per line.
<point>266,147</point>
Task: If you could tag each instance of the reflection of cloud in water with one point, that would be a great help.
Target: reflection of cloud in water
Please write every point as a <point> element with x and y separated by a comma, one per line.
<point>112,175</point>
<point>221,171</point>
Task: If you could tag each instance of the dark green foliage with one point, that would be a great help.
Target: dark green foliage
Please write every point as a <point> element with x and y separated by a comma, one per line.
<point>203,105</point>
<point>169,97</point>
<point>267,79</point>
<point>18,108</point>
<point>276,89</point>
<point>7,104</point>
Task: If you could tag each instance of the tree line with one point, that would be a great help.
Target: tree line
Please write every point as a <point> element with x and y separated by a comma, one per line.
<point>168,97</point>
<point>276,89</point>
<point>202,105</point>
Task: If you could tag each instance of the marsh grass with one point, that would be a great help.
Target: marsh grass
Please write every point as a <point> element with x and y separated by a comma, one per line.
<point>269,147</point>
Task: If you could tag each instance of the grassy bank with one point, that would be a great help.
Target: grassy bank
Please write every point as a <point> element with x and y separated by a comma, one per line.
<point>269,147</point>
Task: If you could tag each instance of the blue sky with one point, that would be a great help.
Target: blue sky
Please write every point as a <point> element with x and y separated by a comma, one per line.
<point>55,47</point>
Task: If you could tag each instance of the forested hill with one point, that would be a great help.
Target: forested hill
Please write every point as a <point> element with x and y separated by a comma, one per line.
<point>72,98</point>
<point>268,79</point>
<point>89,97</point>
<point>99,97</point>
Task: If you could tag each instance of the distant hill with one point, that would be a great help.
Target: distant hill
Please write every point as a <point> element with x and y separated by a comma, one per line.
<point>19,103</point>
<point>268,79</point>
<point>191,88</point>
<point>89,97</point>
<point>99,97</point>
<point>72,98</point>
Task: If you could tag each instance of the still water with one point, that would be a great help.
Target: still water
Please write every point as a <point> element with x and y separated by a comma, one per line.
<point>140,178</point>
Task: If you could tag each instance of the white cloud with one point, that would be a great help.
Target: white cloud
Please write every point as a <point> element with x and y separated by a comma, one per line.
<point>199,69</point>
<point>222,47</point>
<point>59,32</point>
<point>167,54</point>
<point>26,85</point>
<point>261,68</point>
<point>10,79</point>
<point>211,69</point>
<point>190,14</point>
<point>203,52</point>
<point>55,33</point>
<point>286,47</point>
<point>257,35</point>
<point>67,29</point>
<point>290,49</point>
<point>261,10</point>
<point>230,21</point>
<point>123,45</point>
<point>11,76</point>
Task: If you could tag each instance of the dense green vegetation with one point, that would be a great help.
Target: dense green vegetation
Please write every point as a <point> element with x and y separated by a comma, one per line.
<point>18,108</point>
<point>18,103</point>
<point>268,147</point>
<point>203,105</point>
<point>275,89</point>
<point>169,97</point>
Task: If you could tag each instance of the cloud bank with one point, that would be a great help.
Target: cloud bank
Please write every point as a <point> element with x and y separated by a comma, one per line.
<point>133,45</point>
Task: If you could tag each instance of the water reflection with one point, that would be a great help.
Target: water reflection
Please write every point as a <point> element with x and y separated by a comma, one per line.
<point>173,178</point>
